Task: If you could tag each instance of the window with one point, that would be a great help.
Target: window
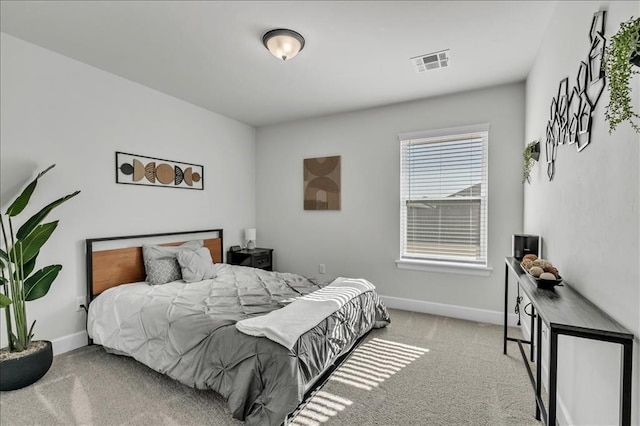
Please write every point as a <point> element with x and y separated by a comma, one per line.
<point>443,190</point>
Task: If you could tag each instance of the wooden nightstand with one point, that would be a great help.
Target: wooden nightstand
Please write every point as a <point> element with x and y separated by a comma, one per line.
<point>261,258</point>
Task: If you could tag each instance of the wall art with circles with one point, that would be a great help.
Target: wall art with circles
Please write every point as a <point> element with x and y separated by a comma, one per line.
<point>133,169</point>
<point>322,183</point>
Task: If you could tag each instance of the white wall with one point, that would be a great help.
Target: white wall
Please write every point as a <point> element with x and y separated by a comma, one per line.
<point>588,215</point>
<point>57,110</point>
<point>363,238</point>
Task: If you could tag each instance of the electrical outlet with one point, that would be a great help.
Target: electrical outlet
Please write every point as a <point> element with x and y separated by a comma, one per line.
<point>80,300</point>
<point>321,268</point>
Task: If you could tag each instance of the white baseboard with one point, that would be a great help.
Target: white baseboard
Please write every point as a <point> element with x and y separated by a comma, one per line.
<point>69,342</point>
<point>453,311</point>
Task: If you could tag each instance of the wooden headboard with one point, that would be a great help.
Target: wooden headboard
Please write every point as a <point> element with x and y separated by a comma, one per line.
<point>110,268</point>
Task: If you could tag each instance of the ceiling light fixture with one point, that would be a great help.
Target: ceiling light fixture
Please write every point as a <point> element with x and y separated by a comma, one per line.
<point>283,44</point>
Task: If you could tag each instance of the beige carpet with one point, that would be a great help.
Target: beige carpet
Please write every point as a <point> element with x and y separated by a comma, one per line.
<point>421,370</point>
<point>446,372</point>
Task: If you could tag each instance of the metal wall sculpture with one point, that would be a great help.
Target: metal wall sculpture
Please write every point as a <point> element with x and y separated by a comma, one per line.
<point>570,119</point>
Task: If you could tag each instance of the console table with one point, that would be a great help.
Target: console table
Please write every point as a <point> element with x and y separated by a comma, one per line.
<point>565,311</point>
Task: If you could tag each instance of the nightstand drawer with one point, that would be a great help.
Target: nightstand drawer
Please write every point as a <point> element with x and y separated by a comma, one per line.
<point>262,261</point>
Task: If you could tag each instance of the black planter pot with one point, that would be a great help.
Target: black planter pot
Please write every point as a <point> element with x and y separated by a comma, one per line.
<point>535,152</point>
<point>23,371</point>
<point>635,59</point>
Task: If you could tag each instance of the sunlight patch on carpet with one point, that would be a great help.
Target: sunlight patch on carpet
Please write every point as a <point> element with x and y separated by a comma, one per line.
<point>373,362</point>
<point>320,408</point>
<point>368,365</point>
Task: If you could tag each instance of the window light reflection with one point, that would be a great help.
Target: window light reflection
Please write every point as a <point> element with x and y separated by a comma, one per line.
<point>368,365</point>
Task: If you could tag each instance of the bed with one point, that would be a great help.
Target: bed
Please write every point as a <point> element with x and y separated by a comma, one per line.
<point>190,330</point>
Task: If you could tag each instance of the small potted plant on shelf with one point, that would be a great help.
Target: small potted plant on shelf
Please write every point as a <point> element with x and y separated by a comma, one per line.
<point>24,360</point>
<point>622,61</point>
<point>530,154</point>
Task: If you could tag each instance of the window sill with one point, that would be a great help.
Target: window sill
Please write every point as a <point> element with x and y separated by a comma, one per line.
<point>445,268</point>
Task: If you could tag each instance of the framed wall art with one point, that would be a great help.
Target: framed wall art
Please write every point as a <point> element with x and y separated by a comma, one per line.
<point>133,169</point>
<point>322,183</point>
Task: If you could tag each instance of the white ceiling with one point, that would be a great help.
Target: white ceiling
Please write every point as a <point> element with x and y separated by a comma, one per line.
<point>356,54</point>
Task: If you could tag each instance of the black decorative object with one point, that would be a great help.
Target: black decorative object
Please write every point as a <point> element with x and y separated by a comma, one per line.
<point>562,109</point>
<point>584,124</point>
<point>570,116</point>
<point>635,57</point>
<point>551,148</point>
<point>573,111</point>
<point>535,151</point>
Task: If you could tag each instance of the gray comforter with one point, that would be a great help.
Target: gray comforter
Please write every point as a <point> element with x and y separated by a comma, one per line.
<point>188,332</point>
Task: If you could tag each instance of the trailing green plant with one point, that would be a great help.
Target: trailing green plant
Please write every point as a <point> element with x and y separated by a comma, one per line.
<point>530,154</point>
<point>18,260</point>
<point>619,68</point>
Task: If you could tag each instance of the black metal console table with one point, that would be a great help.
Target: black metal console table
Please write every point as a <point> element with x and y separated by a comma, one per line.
<point>565,311</point>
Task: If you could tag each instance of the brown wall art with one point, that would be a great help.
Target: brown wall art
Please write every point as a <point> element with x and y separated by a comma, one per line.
<point>322,183</point>
<point>135,169</point>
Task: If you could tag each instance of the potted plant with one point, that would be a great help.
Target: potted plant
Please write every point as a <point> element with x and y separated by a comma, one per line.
<point>530,154</point>
<point>622,59</point>
<point>24,360</point>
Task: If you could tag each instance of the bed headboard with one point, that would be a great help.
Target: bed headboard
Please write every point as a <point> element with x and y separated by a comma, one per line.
<point>111,267</point>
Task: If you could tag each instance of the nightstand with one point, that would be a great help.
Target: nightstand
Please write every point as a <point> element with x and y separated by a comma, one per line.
<point>261,258</point>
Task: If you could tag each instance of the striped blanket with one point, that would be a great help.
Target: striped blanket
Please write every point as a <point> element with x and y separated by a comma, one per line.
<point>286,325</point>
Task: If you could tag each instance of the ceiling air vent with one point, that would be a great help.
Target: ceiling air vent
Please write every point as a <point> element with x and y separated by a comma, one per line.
<point>431,61</point>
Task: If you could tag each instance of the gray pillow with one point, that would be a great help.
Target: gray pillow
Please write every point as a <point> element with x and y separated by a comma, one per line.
<point>196,265</point>
<point>152,253</point>
<point>162,271</point>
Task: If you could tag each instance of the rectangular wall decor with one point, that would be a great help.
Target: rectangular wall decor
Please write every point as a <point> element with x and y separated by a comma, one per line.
<point>322,183</point>
<point>133,169</point>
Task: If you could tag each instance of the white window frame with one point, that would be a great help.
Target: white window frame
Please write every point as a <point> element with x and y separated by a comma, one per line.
<point>435,263</point>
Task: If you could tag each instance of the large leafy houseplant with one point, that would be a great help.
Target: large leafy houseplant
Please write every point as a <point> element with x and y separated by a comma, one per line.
<point>19,284</point>
<point>621,56</point>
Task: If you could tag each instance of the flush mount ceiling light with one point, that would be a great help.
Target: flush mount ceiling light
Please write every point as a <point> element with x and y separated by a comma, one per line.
<point>283,44</point>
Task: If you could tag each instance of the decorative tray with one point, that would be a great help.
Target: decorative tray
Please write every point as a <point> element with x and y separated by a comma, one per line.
<point>545,283</point>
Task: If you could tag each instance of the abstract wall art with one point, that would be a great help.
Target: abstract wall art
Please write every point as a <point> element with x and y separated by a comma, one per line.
<point>133,169</point>
<point>571,110</point>
<point>322,183</point>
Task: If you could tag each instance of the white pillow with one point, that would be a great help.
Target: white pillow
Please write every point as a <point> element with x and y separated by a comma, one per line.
<point>196,265</point>
<point>154,252</point>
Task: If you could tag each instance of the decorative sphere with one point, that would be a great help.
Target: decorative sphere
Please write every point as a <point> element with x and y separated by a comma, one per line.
<point>527,264</point>
<point>536,271</point>
<point>547,276</point>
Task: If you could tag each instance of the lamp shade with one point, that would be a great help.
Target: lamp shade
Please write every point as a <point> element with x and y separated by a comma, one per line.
<point>250,234</point>
<point>282,43</point>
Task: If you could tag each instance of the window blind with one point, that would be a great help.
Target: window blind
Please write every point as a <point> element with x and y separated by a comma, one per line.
<point>444,196</point>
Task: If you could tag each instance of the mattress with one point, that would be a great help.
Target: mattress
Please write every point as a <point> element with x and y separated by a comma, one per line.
<point>187,331</point>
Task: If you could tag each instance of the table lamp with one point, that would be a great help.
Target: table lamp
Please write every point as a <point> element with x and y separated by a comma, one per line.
<point>250,238</point>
